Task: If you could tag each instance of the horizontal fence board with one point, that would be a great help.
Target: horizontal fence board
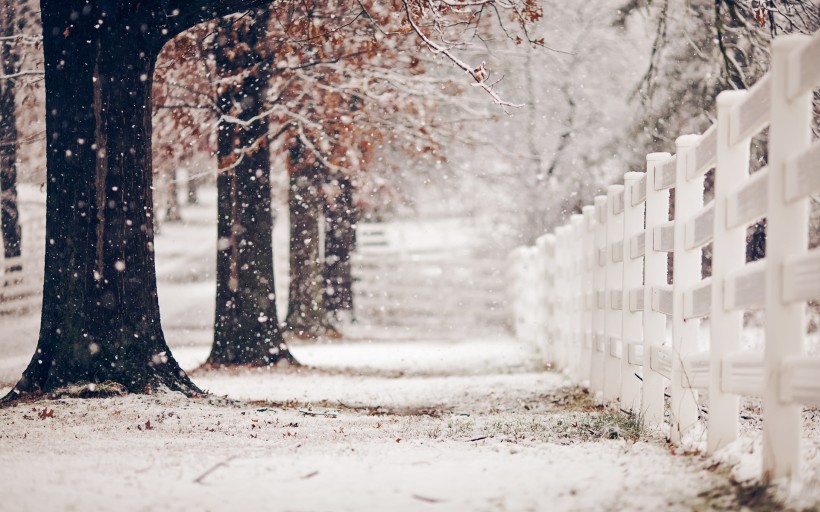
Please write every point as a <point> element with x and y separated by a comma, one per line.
<point>377,280</point>
<point>741,373</point>
<point>700,228</point>
<point>697,301</point>
<point>745,288</point>
<point>751,115</point>
<point>803,173</point>
<point>705,153</point>
<point>800,381</point>
<point>637,245</point>
<point>634,353</point>
<point>801,277</point>
<point>407,295</point>
<point>432,315</point>
<point>413,260</point>
<point>615,348</point>
<point>662,299</point>
<point>20,289</point>
<point>8,263</point>
<point>804,68</point>
<point>665,174</point>
<point>660,360</point>
<point>19,305</point>
<point>636,299</point>
<point>749,202</point>
<point>663,237</point>
<point>696,371</point>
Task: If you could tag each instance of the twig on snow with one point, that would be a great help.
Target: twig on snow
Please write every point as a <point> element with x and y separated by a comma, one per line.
<point>224,463</point>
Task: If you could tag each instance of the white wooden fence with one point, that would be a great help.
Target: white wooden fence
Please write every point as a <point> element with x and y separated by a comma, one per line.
<point>427,277</point>
<point>594,293</point>
<point>22,290</point>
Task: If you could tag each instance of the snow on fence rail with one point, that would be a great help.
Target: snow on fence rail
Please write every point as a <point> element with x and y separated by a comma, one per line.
<point>601,309</point>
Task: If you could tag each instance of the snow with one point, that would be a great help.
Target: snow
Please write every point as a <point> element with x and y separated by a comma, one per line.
<point>397,419</point>
<point>400,443</point>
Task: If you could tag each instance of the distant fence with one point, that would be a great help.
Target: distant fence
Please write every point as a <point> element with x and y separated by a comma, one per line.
<point>594,293</point>
<point>21,290</point>
<point>428,280</point>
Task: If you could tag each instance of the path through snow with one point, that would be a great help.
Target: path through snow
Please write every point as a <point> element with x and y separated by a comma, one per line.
<point>407,435</point>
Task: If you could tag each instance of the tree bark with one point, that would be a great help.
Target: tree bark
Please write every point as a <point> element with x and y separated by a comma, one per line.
<point>307,316</point>
<point>340,241</point>
<point>246,328</point>
<point>9,212</point>
<point>100,318</point>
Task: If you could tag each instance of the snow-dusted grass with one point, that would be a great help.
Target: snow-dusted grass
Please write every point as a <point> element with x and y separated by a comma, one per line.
<point>386,428</point>
<point>482,440</point>
<point>137,453</point>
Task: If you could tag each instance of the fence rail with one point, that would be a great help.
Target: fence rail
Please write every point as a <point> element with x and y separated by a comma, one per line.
<point>430,277</point>
<point>601,306</point>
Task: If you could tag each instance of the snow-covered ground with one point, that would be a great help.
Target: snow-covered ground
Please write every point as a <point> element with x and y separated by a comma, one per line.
<point>384,419</point>
<point>456,426</point>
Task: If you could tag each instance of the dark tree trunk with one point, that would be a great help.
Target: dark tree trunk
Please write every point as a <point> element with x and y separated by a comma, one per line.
<point>307,316</point>
<point>100,320</point>
<point>9,213</point>
<point>340,241</point>
<point>246,329</point>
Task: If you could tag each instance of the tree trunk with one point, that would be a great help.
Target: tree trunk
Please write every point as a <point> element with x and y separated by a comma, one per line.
<point>246,328</point>
<point>340,241</point>
<point>9,213</point>
<point>100,318</point>
<point>307,316</point>
<point>172,212</point>
<point>192,187</point>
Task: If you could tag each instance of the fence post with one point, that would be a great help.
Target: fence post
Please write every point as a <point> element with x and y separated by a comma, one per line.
<point>786,235</point>
<point>728,254</point>
<point>541,276</point>
<point>686,273</point>
<point>614,280</point>
<point>577,221</point>
<point>550,282</point>
<point>599,293</point>
<point>654,323</point>
<point>633,278</point>
<point>561,285</point>
<point>588,297</point>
